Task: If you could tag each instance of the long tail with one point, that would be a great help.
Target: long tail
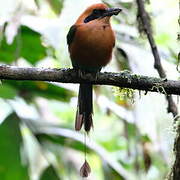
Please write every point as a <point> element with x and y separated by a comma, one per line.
<point>85,107</point>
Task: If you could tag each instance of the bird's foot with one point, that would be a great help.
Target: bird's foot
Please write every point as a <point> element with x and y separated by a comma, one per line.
<point>81,73</point>
<point>96,75</point>
<point>93,76</point>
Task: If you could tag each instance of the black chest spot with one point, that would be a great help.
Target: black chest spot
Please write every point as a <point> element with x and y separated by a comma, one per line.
<point>104,27</point>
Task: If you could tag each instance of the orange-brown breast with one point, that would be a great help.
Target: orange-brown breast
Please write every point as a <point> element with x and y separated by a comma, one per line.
<point>92,45</point>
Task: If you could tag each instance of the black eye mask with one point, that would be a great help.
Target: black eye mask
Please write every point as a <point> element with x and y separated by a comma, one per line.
<point>96,13</point>
<point>101,13</point>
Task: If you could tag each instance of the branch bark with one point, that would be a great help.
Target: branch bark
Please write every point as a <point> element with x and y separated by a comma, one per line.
<point>123,79</point>
<point>143,15</point>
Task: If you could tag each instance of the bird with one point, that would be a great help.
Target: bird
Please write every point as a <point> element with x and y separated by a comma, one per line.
<point>90,44</point>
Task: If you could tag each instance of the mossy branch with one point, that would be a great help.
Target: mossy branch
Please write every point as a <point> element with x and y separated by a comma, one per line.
<point>123,79</point>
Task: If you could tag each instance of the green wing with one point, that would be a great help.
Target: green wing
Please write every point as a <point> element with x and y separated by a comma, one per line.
<point>71,34</point>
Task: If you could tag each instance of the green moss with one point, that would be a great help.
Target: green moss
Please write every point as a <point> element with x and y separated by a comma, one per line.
<point>124,93</point>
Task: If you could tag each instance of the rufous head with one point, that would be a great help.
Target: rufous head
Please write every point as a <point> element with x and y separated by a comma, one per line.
<point>97,11</point>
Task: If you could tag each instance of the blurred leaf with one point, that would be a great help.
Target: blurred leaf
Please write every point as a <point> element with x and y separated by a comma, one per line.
<point>122,59</point>
<point>37,3</point>
<point>146,157</point>
<point>113,144</point>
<point>163,38</point>
<point>56,5</point>
<point>49,174</point>
<point>30,89</point>
<point>109,173</point>
<point>132,130</point>
<point>62,141</point>
<point>7,91</point>
<point>145,138</point>
<point>178,62</point>
<point>27,44</point>
<point>10,161</point>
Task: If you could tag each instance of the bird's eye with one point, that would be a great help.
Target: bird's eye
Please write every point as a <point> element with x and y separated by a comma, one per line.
<point>95,11</point>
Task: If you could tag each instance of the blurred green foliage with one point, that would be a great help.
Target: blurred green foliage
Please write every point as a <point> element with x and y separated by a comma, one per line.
<point>7,91</point>
<point>49,173</point>
<point>26,44</point>
<point>11,165</point>
<point>29,90</point>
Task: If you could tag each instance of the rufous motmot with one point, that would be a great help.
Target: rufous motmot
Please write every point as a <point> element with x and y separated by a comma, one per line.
<point>90,42</point>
